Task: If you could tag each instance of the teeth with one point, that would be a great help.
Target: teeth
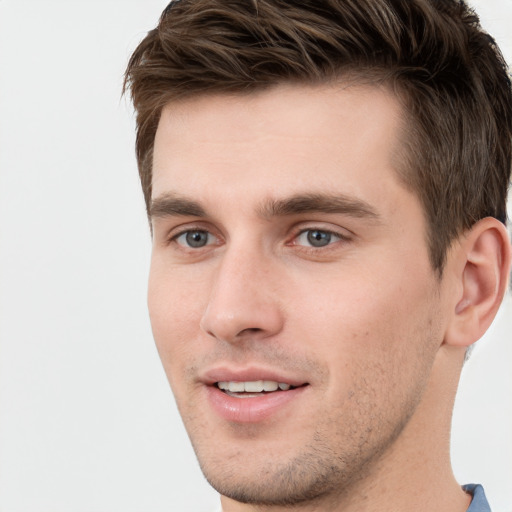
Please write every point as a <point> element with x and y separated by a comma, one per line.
<point>270,385</point>
<point>236,387</point>
<point>255,386</point>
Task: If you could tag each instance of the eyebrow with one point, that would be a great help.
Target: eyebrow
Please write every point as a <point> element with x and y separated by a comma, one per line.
<point>318,203</point>
<point>171,204</point>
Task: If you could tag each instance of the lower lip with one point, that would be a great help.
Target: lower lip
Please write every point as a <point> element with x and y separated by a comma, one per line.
<point>251,409</point>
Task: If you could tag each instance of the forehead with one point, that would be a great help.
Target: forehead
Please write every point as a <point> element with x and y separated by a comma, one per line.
<point>290,139</point>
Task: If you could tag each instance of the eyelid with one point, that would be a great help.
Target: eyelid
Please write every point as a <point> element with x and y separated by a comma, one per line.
<point>175,232</point>
<point>343,234</point>
<point>210,240</point>
<point>333,238</point>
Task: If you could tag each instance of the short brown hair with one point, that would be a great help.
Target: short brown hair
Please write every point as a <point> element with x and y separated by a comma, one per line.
<point>448,73</point>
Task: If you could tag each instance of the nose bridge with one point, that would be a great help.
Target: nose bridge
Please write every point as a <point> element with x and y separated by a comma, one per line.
<point>242,301</point>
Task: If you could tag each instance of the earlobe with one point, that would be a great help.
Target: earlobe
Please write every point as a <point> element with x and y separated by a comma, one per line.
<point>483,258</point>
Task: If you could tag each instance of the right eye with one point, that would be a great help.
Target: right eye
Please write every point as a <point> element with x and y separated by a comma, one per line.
<point>195,239</point>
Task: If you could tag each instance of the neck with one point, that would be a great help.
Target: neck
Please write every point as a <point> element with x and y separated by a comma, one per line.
<point>415,473</point>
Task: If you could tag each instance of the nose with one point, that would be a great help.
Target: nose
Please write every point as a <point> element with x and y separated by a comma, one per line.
<point>244,302</point>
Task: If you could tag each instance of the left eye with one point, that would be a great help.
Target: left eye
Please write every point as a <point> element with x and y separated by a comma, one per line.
<point>317,238</point>
<point>195,239</point>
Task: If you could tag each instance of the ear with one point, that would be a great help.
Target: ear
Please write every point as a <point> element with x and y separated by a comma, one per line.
<point>482,264</point>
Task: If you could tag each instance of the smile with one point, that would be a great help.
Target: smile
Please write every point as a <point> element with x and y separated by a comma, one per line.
<point>246,389</point>
<point>252,401</point>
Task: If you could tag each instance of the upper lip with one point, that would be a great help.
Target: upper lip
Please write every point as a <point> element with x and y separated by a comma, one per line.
<point>247,374</point>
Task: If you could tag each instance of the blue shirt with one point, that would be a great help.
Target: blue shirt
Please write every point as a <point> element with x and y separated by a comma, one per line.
<point>479,502</point>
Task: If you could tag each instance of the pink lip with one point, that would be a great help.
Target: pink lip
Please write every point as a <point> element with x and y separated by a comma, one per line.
<point>221,374</point>
<point>253,409</point>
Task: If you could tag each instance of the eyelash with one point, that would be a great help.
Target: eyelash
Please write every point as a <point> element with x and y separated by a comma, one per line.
<point>173,238</point>
<point>330,233</point>
<point>340,237</point>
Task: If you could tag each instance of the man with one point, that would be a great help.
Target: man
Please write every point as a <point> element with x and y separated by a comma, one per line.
<point>326,184</point>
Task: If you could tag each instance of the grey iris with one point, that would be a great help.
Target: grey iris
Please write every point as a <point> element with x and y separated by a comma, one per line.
<point>197,238</point>
<point>318,238</point>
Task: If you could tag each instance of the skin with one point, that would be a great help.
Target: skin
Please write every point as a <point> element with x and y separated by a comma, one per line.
<point>363,320</point>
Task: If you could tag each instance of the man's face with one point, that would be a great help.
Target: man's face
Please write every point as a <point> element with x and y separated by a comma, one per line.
<point>288,256</point>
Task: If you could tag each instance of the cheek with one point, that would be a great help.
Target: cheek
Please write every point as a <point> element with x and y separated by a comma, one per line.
<point>370,313</point>
<point>378,347</point>
<point>175,312</point>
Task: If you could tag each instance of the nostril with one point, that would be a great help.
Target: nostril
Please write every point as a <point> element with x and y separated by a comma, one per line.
<point>249,331</point>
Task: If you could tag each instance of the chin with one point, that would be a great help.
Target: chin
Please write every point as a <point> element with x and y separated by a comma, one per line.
<point>309,477</point>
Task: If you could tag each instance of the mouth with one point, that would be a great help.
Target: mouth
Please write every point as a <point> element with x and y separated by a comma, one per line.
<point>253,401</point>
<point>253,388</point>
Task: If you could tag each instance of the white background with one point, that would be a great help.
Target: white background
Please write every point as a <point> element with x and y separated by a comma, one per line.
<point>87,422</point>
